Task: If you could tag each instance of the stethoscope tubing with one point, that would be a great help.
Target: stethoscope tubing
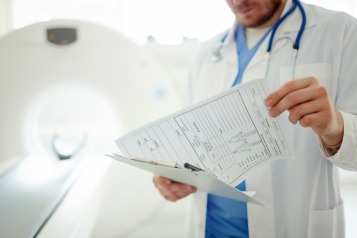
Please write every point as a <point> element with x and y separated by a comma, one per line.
<point>296,45</point>
<point>275,27</point>
<point>296,3</point>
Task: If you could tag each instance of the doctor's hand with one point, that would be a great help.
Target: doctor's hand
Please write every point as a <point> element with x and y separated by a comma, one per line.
<point>309,104</point>
<point>172,191</point>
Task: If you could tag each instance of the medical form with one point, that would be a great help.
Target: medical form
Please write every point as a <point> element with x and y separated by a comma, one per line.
<point>228,135</point>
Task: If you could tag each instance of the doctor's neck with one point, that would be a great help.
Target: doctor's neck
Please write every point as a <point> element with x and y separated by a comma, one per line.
<point>257,13</point>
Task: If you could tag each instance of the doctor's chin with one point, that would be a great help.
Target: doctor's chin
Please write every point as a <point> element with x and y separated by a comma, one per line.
<point>178,119</point>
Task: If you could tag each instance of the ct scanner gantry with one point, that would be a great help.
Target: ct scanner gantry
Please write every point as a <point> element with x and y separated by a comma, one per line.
<point>40,62</point>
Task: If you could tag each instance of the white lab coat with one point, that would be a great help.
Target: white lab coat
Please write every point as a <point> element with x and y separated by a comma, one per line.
<point>301,196</point>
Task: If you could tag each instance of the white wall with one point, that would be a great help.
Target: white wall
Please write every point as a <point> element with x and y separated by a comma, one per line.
<point>5,17</point>
<point>167,20</point>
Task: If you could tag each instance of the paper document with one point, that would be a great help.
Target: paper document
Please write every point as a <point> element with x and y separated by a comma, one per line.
<point>228,134</point>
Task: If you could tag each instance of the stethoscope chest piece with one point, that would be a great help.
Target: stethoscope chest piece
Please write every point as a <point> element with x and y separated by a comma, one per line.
<point>216,52</point>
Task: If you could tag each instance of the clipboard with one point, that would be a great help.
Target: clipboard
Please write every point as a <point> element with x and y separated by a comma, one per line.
<point>202,180</point>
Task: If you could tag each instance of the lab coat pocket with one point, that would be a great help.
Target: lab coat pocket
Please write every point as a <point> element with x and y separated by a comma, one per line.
<point>327,223</point>
<point>321,71</point>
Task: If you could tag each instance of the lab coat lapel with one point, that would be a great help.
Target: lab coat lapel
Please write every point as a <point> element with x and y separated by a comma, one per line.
<point>230,59</point>
<point>253,71</point>
<point>230,69</point>
<point>221,76</point>
<point>258,57</point>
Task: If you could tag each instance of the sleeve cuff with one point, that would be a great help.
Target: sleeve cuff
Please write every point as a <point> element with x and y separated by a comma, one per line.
<point>345,155</point>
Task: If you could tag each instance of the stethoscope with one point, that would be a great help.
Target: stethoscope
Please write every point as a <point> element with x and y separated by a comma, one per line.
<point>216,55</point>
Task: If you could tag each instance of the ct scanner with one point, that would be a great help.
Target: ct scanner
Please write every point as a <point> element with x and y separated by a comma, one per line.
<point>55,77</point>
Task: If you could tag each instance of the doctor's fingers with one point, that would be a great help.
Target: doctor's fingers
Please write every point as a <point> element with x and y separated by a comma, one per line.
<point>289,87</point>
<point>159,181</point>
<point>179,187</point>
<point>173,196</point>
<point>299,111</point>
<point>315,120</point>
<point>169,195</point>
<point>166,184</point>
<point>297,97</point>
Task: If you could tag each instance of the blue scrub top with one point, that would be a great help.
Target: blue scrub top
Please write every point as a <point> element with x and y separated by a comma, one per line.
<point>227,218</point>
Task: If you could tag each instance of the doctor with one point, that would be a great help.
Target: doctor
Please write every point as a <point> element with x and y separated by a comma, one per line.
<point>301,196</point>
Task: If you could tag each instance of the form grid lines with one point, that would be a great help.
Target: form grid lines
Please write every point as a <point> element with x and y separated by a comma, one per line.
<point>227,135</point>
